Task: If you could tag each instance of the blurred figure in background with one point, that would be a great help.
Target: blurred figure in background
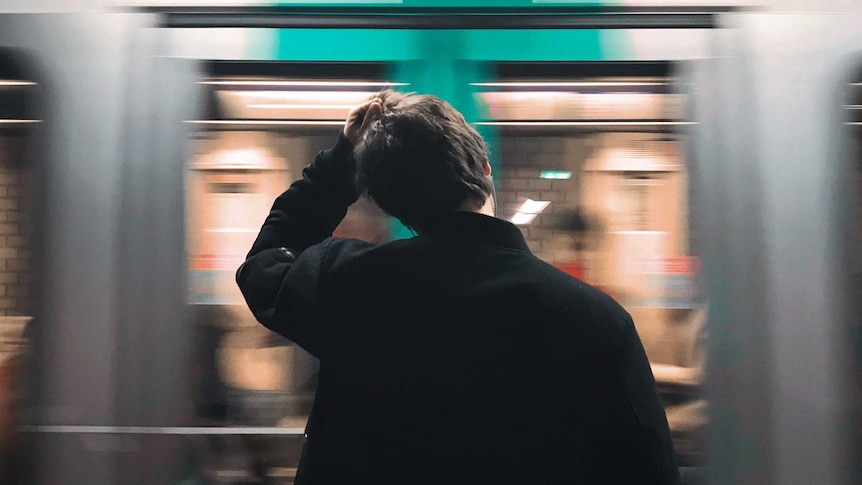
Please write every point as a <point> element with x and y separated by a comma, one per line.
<point>571,243</point>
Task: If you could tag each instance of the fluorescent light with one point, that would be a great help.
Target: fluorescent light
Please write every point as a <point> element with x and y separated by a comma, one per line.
<point>534,206</point>
<point>268,122</point>
<point>570,84</point>
<point>586,123</point>
<point>7,82</point>
<point>853,106</point>
<point>552,175</point>
<point>302,106</point>
<point>302,97</point>
<point>528,211</point>
<point>18,122</point>
<point>305,83</point>
<point>520,218</point>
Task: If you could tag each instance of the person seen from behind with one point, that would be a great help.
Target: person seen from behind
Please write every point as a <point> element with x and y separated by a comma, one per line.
<point>456,356</point>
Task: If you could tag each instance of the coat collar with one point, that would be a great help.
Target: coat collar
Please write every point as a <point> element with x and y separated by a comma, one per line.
<point>480,228</point>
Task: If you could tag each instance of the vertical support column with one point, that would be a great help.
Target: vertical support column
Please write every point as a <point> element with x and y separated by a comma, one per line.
<point>727,226</point>
<point>154,344</point>
<point>805,201</point>
<point>439,67</point>
<point>78,215</point>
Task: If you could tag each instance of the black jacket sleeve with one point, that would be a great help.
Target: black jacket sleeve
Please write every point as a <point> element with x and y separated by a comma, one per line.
<point>656,450</point>
<point>314,205</point>
<point>281,275</point>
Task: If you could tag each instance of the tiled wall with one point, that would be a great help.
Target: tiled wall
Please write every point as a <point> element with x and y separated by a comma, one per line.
<point>14,231</point>
<point>523,157</point>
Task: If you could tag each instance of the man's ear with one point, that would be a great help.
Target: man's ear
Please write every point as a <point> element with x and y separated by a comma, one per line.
<point>487,169</point>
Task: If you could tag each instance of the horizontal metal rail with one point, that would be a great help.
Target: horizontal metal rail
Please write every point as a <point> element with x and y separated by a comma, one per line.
<point>442,18</point>
<point>169,430</point>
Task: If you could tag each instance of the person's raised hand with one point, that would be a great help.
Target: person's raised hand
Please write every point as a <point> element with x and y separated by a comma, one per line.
<point>360,118</point>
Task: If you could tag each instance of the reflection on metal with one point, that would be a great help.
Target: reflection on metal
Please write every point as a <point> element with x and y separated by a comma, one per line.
<point>10,83</point>
<point>346,84</point>
<point>176,431</point>
<point>511,19</point>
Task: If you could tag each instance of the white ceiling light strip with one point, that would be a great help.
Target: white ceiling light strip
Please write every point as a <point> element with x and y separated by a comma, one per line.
<point>586,123</point>
<point>8,82</point>
<point>570,84</point>
<point>301,106</point>
<point>529,210</point>
<point>201,430</point>
<point>346,84</point>
<point>268,122</point>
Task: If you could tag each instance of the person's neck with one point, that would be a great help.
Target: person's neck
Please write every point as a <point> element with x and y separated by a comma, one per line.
<point>489,208</point>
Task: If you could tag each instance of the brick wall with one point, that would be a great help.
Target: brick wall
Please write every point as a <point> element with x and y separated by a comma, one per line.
<point>14,231</point>
<point>523,157</point>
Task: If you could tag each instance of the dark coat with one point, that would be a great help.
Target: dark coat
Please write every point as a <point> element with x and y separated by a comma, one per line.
<point>456,356</point>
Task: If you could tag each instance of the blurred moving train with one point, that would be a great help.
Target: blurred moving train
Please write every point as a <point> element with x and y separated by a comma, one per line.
<point>697,160</point>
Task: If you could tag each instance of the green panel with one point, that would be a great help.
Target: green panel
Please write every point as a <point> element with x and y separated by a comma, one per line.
<point>472,45</point>
<point>346,45</point>
<point>534,45</point>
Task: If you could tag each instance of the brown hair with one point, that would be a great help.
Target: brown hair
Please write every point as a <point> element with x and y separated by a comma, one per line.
<point>420,159</point>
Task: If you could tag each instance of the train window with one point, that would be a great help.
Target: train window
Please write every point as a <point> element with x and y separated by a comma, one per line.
<point>597,149</point>
<point>264,123</point>
<point>16,293</point>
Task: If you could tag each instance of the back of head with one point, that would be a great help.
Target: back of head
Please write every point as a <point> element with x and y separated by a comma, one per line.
<point>420,159</point>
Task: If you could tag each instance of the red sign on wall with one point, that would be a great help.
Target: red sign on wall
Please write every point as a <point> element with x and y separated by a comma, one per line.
<point>675,265</point>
